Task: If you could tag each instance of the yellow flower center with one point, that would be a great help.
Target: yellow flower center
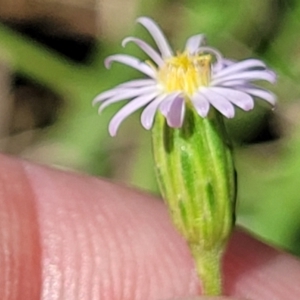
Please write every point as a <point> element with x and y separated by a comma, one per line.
<point>185,72</point>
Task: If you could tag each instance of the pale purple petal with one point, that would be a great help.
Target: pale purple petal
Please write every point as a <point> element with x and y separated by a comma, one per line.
<point>194,42</point>
<point>176,113</point>
<point>240,99</point>
<point>166,103</point>
<point>124,87</point>
<point>165,106</point>
<point>127,94</point>
<point>201,104</point>
<point>247,75</point>
<point>261,93</point>
<point>220,65</point>
<point>137,83</point>
<point>230,84</point>
<point>148,114</point>
<point>215,52</point>
<point>238,67</point>
<point>132,62</point>
<point>157,35</point>
<point>233,83</point>
<point>219,102</point>
<point>127,110</point>
<point>228,62</point>
<point>105,95</point>
<point>146,48</point>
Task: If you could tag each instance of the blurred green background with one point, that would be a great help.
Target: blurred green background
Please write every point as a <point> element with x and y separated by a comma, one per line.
<point>51,67</point>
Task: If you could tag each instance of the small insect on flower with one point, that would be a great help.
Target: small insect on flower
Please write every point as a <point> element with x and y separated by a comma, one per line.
<point>199,76</point>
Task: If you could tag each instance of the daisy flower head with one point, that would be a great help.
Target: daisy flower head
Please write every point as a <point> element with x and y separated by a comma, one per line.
<point>199,76</point>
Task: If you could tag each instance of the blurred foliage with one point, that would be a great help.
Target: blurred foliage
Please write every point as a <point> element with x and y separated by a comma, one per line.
<point>266,142</point>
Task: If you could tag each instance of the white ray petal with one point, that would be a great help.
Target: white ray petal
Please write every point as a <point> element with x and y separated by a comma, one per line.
<point>219,102</point>
<point>247,75</point>
<point>126,95</point>
<point>136,83</point>
<point>124,87</point>
<point>233,83</point>
<point>214,51</point>
<point>201,104</point>
<point>260,93</point>
<point>166,103</point>
<point>127,110</point>
<point>146,48</point>
<point>105,95</point>
<point>119,92</point>
<point>176,113</point>
<point>148,114</point>
<point>157,35</point>
<point>239,98</point>
<point>132,62</point>
<point>224,63</point>
<point>194,42</point>
<point>238,67</point>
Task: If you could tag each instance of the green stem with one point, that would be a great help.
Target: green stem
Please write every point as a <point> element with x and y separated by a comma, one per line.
<point>208,267</point>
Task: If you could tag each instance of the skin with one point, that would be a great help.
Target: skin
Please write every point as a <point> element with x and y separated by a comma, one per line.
<point>71,236</point>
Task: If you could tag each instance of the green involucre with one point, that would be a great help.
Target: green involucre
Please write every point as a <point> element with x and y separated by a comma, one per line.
<point>197,179</point>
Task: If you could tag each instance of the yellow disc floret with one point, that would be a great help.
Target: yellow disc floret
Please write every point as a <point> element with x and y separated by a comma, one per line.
<point>185,72</point>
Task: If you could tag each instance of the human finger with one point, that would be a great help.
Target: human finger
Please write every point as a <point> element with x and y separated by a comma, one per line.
<point>70,236</point>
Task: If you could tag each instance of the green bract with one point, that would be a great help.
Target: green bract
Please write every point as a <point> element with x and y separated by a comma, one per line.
<point>197,179</point>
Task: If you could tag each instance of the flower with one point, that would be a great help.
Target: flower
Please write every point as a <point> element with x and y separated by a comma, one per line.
<point>199,76</point>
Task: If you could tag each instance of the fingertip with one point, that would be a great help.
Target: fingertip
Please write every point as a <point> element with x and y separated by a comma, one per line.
<point>20,252</point>
<point>112,239</point>
<point>70,234</point>
<point>255,270</point>
<point>208,298</point>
